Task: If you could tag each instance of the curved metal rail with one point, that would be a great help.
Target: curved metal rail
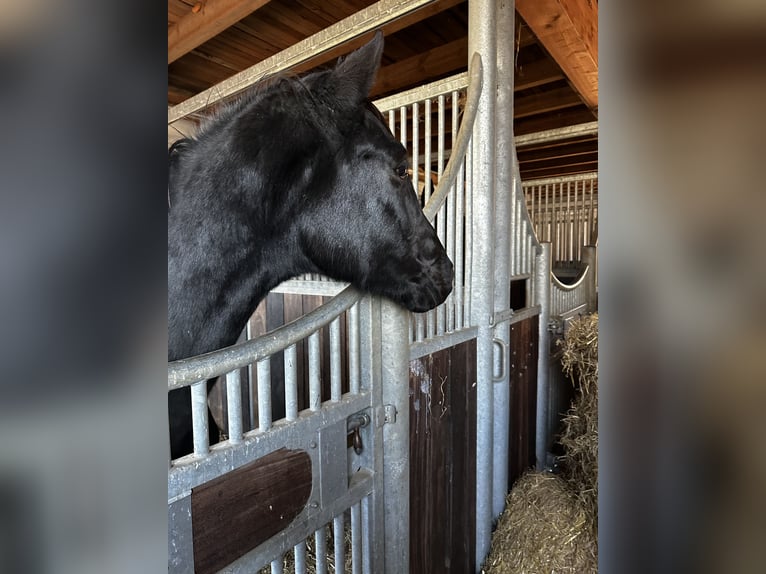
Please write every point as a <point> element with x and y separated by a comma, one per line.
<point>184,372</point>
<point>564,287</point>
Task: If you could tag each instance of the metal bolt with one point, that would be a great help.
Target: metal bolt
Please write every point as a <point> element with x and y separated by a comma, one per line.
<point>313,444</point>
<point>314,505</point>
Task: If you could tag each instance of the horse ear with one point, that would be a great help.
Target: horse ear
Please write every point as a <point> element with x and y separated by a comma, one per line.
<point>355,74</point>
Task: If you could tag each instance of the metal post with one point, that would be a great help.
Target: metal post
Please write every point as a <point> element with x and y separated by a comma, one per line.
<point>481,39</point>
<point>589,258</point>
<point>505,194</point>
<point>395,355</point>
<point>543,285</point>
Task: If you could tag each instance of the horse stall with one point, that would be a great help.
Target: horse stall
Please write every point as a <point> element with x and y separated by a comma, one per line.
<point>357,436</point>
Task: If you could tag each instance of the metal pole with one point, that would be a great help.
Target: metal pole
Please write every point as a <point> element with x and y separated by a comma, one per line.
<point>589,258</point>
<point>395,355</point>
<point>482,39</point>
<point>543,285</point>
<point>505,195</point>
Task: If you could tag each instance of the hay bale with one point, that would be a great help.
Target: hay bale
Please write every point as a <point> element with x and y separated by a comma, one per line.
<point>544,529</point>
<point>288,559</point>
<point>579,359</point>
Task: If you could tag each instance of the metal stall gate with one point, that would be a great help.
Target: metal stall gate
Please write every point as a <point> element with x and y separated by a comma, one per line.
<point>331,484</point>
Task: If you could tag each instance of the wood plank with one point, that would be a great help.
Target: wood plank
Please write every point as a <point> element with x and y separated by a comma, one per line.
<point>198,27</point>
<point>549,101</point>
<point>568,117</point>
<point>236,512</point>
<point>536,74</point>
<point>442,461</point>
<point>419,69</point>
<point>523,397</point>
<point>529,155</point>
<point>568,29</point>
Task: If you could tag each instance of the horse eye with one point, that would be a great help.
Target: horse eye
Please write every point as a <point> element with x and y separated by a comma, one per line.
<point>402,171</point>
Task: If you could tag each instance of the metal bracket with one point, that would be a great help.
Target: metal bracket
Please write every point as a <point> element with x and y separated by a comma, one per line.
<point>385,414</point>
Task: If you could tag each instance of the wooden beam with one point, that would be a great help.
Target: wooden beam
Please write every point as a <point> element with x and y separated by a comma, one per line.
<point>214,16</point>
<point>536,74</point>
<point>550,101</point>
<point>418,69</point>
<point>568,30</point>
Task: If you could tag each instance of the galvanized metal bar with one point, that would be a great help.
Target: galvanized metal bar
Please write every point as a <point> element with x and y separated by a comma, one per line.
<point>543,273</point>
<point>199,418</point>
<point>415,146</point>
<point>427,157</point>
<point>469,236</point>
<point>234,406</point>
<point>276,566</point>
<point>299,554</point>
<point>361,22</point>
<point>315,383</point>
<point>452,220</point>
<point>392,121</point>
<point>403,125</point>
<point>335,361</point>
<point>320,542</point>
<point>482,39</point>
<point>356,539</point>
<point>504,201</point>
<point>394,352</point>
<point>459,247</point>
<point>291,383</point>
<point>422,93</point>
<point>354,350</point>
<point>367,558</point>
<point>586,129</point>
<point>264,395</point>
<point>213,364</point>
<point>338,543</point>
<point>441,217</point>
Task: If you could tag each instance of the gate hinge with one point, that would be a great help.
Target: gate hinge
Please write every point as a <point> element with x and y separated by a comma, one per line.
<point>385,414</point>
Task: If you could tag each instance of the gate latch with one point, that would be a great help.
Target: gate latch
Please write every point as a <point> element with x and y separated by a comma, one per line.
<point>356,422</point>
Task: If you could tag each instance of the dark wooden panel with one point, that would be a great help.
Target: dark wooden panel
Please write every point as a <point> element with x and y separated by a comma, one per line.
<point>236,512</point>
<point>443,461</point>
<point>523,397</point>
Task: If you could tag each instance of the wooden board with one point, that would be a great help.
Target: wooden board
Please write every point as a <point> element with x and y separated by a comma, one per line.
<point>236,512</point>
<point>443,461</point>
<point>523,397</point>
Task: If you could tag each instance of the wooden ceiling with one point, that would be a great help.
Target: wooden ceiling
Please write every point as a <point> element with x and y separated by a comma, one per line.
<point>556,80</point>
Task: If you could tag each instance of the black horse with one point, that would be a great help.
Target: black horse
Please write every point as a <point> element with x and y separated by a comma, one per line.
<point>300,176</point>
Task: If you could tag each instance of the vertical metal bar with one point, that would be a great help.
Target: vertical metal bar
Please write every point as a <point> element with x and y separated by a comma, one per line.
<point>338,543</point>
<point>366,536</point>
<point>291,383</point>
<point>276,566</point>
<point>508,193</point>
<point>415,145</point>
<point>568,226</point>
<point>320,543</point>
<point>543,283</point>
<point>354,350</point>
<point>199,418</point>
<point>452,220</point>
<point>335,372</point>
<point>234,406</point>
<point>299,552</point>
<point>548,217</point>
<point>589,258</point>
<point>392,121</point>
<point>482,39</point>
<point>427,153</point>
<point>315,383</point>
<point>250,380</point>
<point>356,538</point>
<point>441,227</point>
<point>468,233</point>
<point>403,126</point>
<point>394,352</point>
<point>264,394</point>
<point>459,247</point>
